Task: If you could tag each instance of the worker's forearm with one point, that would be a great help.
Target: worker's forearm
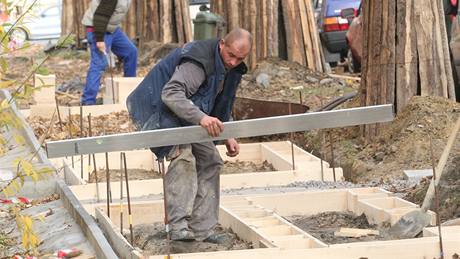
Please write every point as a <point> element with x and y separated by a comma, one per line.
<point>184,83</point>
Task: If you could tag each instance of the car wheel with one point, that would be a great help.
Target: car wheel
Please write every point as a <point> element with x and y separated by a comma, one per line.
<point>19,34</point>
<point>353,65</point>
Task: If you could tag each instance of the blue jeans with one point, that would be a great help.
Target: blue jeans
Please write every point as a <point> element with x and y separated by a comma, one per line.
<point>122,47</point>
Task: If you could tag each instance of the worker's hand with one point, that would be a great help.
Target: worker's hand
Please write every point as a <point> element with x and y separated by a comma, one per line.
<point>101,46</point>
<point>213,125</point>
<point>233,148</point>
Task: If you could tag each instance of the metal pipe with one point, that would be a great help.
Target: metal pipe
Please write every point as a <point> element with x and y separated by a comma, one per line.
<point>436,199</point>
<point>130,217</point>
<point>161,168</point>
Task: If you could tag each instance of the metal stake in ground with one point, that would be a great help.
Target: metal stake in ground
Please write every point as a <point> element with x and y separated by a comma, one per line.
<point>436,199</point>
<point>109,57</point>
<point>81,136</point>
<point>130,217</point>
<point>70,135</point>
<point>89,155</point>
<point>291,136</point>
<point>331,140</point>
<point>58,113</point>
<point>90,132</point>
<point>121,193</point>
<point>161,168</point>
<point>107,182</point>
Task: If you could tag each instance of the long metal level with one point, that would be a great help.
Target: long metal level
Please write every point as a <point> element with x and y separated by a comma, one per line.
<point>234,129</point>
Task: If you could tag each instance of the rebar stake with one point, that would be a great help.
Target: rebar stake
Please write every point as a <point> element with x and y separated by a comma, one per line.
<point>331,140</point>
<point>161,168</point>
<point>130,217</point>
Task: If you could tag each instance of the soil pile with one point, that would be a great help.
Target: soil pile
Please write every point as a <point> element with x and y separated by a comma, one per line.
<point>405,142</point>
<point>279,80</point>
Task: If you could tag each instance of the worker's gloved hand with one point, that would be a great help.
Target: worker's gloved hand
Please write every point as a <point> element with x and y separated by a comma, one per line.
<point>213,125</point>
<point>233,148</point>
<point>101,46</point>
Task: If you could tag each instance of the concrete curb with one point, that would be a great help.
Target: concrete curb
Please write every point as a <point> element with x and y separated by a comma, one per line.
<point>85,221</point>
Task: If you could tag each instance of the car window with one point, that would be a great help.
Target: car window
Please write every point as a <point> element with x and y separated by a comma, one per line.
<point>53,11</point>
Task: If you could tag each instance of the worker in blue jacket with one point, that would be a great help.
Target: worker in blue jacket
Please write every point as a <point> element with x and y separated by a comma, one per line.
<point>102,21</point>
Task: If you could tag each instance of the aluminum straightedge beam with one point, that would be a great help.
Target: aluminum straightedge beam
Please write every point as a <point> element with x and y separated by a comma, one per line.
<point>233,129</point>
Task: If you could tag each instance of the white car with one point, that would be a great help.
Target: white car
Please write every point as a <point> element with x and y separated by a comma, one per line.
<point>46,25</point>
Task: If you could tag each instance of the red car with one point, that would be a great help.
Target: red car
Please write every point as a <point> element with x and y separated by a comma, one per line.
<point>354,38</point>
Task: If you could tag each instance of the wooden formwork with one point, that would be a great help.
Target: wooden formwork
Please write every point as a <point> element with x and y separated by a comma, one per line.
<point>122,87</point>
<point>277,153</point>
<point>260,219</point>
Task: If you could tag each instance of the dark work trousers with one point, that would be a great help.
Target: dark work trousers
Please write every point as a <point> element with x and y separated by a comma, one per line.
<point>192,187</point>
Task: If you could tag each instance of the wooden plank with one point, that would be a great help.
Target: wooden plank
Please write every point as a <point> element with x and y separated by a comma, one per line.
<point>166,21</point>
<point>179,22</point>
<point>428,71</point>
<point>445,58</point>
<point>317,49</point>
<point>306,36</point>
<point>293,34</point>
<point>406,56</point>
<point>188,36</point>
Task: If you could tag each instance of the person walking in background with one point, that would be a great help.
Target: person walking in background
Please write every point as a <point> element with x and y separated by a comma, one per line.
<point>102,21</point>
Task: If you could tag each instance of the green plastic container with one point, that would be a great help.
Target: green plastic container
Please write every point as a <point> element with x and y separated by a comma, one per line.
<point>207,25</point>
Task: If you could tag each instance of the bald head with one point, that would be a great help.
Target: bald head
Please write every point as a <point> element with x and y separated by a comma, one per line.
<point>235,46</point>
<point>240,36</point>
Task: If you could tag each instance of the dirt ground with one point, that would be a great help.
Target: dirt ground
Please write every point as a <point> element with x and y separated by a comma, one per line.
<point>142,174</point>
<point>151,238</point>
<point>115,174</point>
<point>323,225</point>
<point>246,167</point>
<point>279,80</point>
<point>116,122</point>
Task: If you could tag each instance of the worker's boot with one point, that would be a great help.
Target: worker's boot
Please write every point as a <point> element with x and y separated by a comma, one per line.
<point>224,239</point>
<point>182,235</point>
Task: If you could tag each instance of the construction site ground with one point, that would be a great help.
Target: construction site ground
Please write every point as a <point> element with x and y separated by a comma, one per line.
<point>401,145</point>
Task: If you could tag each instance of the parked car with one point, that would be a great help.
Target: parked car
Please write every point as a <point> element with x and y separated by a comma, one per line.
<point>333,27</point>
<point>354,39</point>
<point>46,25</point>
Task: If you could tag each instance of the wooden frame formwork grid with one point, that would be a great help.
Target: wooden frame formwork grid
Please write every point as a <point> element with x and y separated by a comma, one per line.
<point>260,219</point>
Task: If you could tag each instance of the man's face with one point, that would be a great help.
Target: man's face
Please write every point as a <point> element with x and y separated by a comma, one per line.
<point>233,54</point>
